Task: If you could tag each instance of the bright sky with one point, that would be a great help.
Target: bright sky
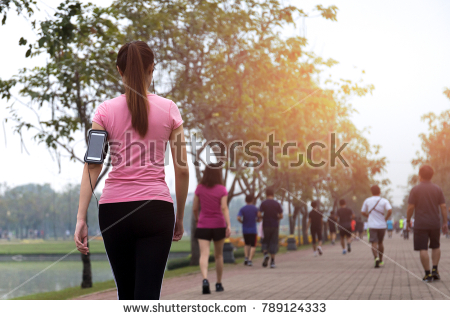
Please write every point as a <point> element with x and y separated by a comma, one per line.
<point>403,46</point>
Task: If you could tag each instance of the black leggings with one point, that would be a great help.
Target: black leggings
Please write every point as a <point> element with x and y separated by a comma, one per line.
<point>138,245</point>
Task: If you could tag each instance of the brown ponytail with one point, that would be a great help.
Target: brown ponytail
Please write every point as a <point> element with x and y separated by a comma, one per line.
<point>134,60</point>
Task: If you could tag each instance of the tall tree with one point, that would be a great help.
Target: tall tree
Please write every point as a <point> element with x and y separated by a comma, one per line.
<point>80,44</point>
<point>229,79</point>
<point>435,149</point>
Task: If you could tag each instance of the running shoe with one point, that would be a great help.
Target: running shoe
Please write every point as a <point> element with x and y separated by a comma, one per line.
<point>320,250</point>
<point>266,260</point>
<point>272,265</point>
<point>435,275</point>
<point>245,262</point>
<point>206,289</point>
<point>219,287</point>
<point>377,262</point>
<point>428,278</point>
<point>349,247</point>
<point>250,263</point>
<point>381,263</point>
<point>332,242</point>
<point>315,253</point>
<point>344,251</point>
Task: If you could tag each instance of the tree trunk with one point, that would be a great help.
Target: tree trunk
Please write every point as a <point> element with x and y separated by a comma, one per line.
<point>195,248</point>
<point>305,228</point>
<point>293,219</point>
<point>87,270</point>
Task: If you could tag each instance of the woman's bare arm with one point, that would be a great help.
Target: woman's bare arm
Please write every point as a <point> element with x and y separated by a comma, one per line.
<point>195,207</point>
<point>92,170</point>
<point>180,164</point>
<point>226,214</point>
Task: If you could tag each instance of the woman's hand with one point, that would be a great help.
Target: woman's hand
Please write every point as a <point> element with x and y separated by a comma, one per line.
<point>81,237</point>
<point>179,230</point>
<point>228,232</point>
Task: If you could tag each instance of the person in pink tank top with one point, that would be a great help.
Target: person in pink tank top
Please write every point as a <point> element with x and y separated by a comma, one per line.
<point>210,209</point>
<point>136,213</point>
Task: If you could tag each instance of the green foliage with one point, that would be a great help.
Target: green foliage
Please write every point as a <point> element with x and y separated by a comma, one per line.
<point>22,7</point>
<point>80,45</point>
<point>232,81</point>
<point>39,207</point>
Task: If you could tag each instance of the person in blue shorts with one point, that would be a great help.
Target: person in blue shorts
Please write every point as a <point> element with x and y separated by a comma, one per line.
<point>390,228</point>
<point>248,216</point>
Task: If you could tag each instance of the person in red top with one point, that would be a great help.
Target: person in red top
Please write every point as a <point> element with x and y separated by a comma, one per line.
<point>210,209</point>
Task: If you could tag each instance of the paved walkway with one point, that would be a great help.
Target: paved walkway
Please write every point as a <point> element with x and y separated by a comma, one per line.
<point>299,275</point>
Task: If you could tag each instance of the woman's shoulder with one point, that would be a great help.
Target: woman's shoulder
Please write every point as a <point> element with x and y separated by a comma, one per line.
<point>162,103</point>
<point>113,103</point>
<point>153,98</point>
<point>222,188</point>
<point>218,188</point>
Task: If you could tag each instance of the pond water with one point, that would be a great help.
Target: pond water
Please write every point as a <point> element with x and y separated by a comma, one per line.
<point>62,275</point>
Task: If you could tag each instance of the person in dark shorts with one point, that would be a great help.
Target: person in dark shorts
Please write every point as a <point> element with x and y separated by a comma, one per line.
<point>332,227</point>
<point>425,201</point>
<point>345,217</point>
<point>248,216</point>
<point>377,210</point>
<point>210,209</point>
<point>359,228</point>
<point>315,223</point>
<point>271,213</point>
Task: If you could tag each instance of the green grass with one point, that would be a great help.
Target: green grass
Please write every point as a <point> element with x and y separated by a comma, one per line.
<point>73,292</point>
<point>63,247</point>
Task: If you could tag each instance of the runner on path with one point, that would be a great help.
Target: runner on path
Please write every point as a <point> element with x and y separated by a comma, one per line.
<point>377,210</point>
<point>271,213</point>
<point>315,222</point>
<point>390,228</point>
<point>426,200</point>
<point>248,216</point>
<point>359,228</point>
<point>345,217</point>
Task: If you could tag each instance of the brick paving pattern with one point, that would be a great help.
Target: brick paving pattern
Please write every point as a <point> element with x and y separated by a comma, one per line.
<point>299,276</point>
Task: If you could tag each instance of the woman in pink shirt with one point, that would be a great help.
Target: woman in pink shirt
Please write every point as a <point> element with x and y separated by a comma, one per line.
<point>136,213</point>
<point>213,222</point>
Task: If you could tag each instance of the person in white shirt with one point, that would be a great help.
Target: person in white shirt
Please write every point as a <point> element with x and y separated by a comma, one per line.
<point>377,210</point>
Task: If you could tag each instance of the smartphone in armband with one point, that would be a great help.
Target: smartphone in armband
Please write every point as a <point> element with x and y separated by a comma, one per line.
<point>97,146</point>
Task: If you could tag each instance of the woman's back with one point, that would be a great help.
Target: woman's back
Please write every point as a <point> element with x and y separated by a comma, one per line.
<point>137,162</point>
<point>211,215</point>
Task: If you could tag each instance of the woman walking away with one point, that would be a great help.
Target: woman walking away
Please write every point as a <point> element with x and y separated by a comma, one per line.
<point>136,213</point>
<point>213,222</point>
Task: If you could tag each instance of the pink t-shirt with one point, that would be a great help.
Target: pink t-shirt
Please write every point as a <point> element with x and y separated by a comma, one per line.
<point>137,163</point>
<point>211,215</point>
